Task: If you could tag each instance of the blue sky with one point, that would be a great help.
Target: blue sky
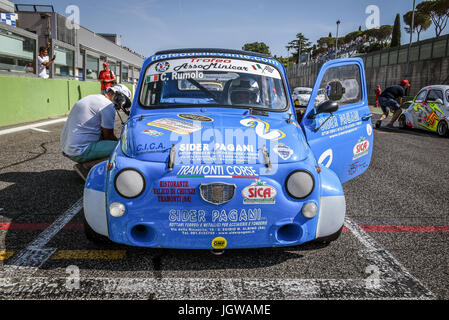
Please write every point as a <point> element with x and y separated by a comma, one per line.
<point>150,25</point>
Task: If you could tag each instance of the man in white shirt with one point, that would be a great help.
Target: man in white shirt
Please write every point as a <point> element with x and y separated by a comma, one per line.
<point>88,135</point>
<point>43,62</point>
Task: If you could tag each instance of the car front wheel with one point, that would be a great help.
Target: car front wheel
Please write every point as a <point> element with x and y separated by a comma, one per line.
<point>442,128</point>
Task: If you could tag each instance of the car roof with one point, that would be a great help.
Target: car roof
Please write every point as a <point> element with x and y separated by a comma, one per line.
<point>438,86</point>
<point>213,50</point>
<point>303,88</point>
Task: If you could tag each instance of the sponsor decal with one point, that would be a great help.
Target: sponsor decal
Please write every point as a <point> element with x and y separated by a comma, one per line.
<point>283,151</point>
<point>219,243</point>
<point>361,148</point>
<point>199,65</point>
<point>217,223</point>
<point>162,66</point>
<point>195,117</point>
<point>218,147</point>
<point>175,125</point>
<point>149,147</point>
<point>262,128</point>
<point>345,123</point>
<point>354,168</point>
<point>236,153</point>
<point>214,54</point>
<point>174,191</point>
<point>259,193</point>
<point>216,171</point>
<point>210,66</point>
<point>152,132</point>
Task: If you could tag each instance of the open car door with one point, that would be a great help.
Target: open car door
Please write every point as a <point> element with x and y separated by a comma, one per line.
<point>341,138</point>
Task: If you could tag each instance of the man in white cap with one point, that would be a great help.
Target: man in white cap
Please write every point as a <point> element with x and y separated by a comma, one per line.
<point>88,135</point>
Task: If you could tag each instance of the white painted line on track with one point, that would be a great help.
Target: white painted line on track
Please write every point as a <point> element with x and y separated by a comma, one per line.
<point>390,269</point>
<point>39,130</point>
<point>394,281</point>
<point>35,255</point>
<point>32,126</point>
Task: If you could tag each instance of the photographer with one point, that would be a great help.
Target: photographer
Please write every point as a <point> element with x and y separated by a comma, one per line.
<point>88,135</point>
<point>44,62</point>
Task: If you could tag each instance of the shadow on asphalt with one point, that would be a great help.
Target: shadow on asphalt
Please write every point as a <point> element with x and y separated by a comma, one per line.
<point>411,131</point>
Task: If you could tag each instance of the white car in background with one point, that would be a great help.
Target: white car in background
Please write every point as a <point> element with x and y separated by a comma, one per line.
<point>301,96</point>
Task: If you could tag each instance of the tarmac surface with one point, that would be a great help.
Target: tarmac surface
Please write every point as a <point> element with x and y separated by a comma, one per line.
<point>394,245</point>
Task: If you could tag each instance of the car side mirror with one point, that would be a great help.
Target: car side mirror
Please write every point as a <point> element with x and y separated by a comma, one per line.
<point>328,106</point>
<point>439,101</point>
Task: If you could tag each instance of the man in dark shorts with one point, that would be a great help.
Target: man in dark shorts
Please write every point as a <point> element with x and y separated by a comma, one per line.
<point>391,99</point>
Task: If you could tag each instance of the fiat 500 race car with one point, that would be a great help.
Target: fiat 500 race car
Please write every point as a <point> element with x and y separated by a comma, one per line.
<point>428,111</point>
<point>212,155</point>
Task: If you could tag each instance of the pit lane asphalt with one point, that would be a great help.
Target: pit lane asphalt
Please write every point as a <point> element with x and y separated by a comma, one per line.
<point>406,184</point>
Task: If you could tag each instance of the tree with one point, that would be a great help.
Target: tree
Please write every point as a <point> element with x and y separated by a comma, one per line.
<point>300,46</point>
<point>396,37</point>
<point>259,47</point>
<point>421,22</point>
<point>330,35</point>
<point>438,11</point>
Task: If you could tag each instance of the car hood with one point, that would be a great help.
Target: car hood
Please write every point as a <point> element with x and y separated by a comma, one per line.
<point>303,96</point>
<point>204,138</point>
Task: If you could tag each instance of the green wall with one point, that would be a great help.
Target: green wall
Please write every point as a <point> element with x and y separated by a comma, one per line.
<point>24,99</point>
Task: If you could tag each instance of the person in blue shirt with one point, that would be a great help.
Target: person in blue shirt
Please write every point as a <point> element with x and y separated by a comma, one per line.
<point>391,99</point>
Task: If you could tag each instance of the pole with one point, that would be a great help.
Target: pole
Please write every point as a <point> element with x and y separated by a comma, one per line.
<point>336,40</point>
<point>411,38</point>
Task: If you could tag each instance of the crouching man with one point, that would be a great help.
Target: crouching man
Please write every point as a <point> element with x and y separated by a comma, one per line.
<point>88,135</point>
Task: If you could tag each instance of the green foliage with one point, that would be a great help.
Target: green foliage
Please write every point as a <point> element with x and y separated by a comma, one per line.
<point>438,11</point>
<point>300,46</point>
<point>396,33</point>
<point>259,47</point>
<point>421,22</point>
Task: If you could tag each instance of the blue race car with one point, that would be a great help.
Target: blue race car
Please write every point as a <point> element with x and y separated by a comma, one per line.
<point>213,155</point>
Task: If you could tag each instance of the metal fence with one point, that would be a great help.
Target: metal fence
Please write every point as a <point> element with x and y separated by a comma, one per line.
<point>423,50</point>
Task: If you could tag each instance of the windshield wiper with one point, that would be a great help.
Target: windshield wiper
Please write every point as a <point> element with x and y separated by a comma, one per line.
<point>207,92</point>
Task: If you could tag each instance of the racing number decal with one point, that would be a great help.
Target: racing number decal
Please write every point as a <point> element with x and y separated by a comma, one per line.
<point>431,118</point>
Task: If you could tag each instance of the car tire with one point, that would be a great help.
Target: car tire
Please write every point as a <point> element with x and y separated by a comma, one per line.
<point>443,128</point>
<point>92,236</point>
<point>402,122</point>
<point>328,239</point>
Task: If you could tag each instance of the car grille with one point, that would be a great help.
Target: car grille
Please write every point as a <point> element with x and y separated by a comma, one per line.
<point>217,193</point>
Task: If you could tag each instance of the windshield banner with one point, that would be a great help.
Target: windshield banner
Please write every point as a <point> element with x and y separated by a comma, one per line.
<point>193,68</point>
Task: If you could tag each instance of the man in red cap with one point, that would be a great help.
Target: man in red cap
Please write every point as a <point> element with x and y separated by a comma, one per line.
<point>391,99</point>
<point>106,77</point>
<point>378,92</point>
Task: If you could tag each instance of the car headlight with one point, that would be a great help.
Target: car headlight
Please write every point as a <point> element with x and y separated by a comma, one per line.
<point>300,184</point>
<point>129,183</point>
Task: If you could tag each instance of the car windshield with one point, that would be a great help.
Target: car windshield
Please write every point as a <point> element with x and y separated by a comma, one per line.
<point>304,91</point>
<point>213,81</point>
